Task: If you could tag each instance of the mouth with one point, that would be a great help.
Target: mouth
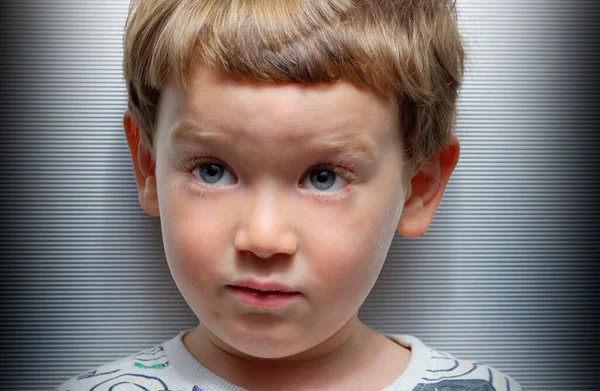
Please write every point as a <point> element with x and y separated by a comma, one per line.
<point>263,287</point>
<point>271,296</point>
<point>262,292</point>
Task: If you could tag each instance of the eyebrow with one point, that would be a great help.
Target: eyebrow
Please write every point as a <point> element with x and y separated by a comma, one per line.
<point>187,135</point>
<point>360,146</point>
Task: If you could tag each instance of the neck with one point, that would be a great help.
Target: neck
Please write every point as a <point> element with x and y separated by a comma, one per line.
<point>329,359</point>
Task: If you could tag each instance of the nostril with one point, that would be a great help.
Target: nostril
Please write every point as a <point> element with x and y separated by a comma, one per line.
<point>265,246</point>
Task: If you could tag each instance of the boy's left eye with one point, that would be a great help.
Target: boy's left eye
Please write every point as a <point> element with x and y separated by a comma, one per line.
<point>323,179</point>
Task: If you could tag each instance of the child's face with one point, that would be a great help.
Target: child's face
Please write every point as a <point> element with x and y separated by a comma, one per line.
<point>297,185</point>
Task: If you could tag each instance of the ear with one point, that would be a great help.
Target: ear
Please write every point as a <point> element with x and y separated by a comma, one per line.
<point>143,167</point>
<point>426,189</point>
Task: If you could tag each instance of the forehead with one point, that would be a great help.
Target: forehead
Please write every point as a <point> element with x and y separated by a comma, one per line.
<point>277,113</point>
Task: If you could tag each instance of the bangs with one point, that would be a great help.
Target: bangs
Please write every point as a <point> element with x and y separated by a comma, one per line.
<point>292,41</point>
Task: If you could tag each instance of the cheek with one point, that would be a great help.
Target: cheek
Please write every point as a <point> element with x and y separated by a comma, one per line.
<point>194,236</point>
<point>351,251</point>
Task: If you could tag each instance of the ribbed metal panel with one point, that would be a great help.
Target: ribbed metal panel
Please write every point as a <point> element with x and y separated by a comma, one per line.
<point>506,275</point>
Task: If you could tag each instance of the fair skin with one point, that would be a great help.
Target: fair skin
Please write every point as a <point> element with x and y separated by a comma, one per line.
<point>303,187</point>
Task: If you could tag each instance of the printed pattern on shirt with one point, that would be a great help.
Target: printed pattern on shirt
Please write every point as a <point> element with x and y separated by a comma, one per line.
<point>124,381</point>
<point>138,372</point>
<point>447,373</point>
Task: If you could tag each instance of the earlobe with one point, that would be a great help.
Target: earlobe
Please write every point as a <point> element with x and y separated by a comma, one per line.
<point>143,167</point>
<point>427,188</point>
<point>149,200</point>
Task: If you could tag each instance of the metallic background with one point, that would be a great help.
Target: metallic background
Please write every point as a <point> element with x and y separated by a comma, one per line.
<point>507,274</point>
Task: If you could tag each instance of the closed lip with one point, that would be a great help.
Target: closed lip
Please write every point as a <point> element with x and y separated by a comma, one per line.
<point>264,286</point>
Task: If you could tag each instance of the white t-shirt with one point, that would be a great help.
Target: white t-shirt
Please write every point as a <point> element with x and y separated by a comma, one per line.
<point>170,366</point>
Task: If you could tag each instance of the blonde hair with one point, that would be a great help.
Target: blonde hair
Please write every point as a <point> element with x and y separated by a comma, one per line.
<point>410,48</point>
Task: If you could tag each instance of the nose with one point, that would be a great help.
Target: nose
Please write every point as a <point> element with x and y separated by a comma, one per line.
<point>266,227</point>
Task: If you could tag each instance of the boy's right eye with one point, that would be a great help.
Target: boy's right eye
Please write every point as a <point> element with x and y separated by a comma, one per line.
<point>214,173</point>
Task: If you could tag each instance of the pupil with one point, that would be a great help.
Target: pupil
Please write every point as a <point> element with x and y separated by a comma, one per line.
<point>212,170</point>
<point>323,176</point>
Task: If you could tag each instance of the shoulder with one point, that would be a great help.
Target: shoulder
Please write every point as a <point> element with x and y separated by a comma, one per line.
<point>432,370</point>
<point>445,371</point>
<point>148,369</point>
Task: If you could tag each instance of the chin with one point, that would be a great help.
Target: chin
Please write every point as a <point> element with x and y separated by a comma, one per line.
<point>266,343</point>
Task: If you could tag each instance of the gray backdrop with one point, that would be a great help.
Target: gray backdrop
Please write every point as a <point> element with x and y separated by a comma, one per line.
<point>506,275</point>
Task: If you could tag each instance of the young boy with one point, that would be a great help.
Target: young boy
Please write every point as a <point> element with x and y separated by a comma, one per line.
<point>282,143</point>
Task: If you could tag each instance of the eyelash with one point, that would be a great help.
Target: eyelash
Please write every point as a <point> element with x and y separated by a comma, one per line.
<point>340,170</point>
